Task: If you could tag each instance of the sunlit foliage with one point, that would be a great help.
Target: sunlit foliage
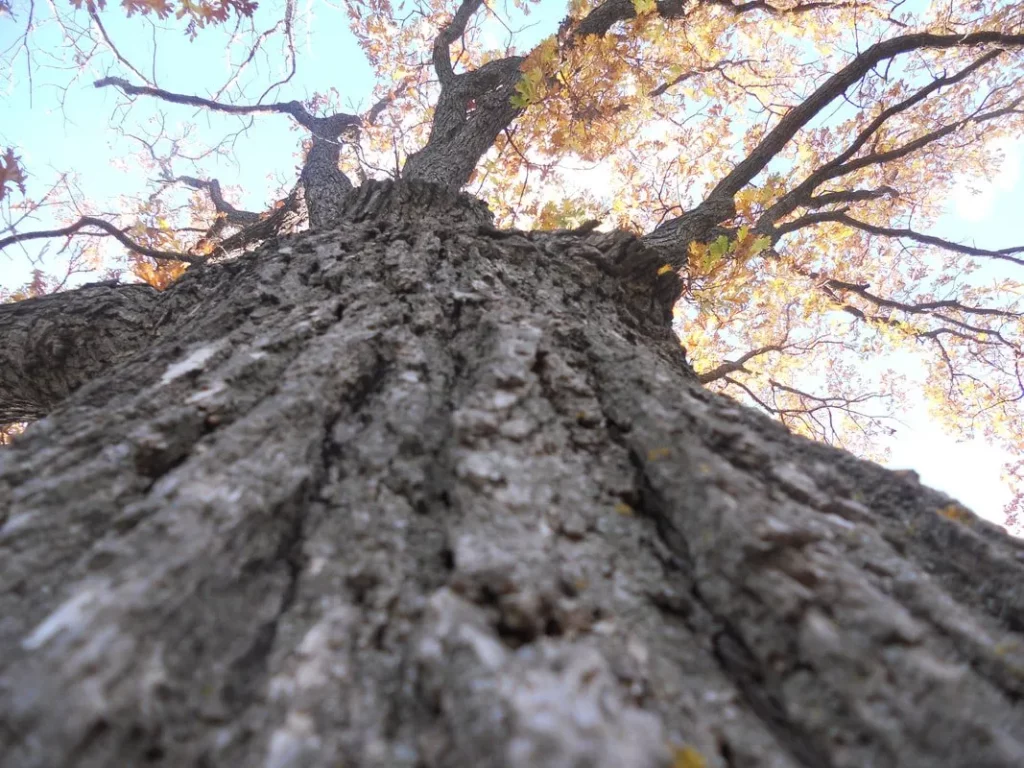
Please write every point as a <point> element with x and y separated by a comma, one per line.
<point>814,298</point>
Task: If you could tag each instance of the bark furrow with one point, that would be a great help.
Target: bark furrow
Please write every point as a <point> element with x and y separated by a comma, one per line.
<point>409,492</point>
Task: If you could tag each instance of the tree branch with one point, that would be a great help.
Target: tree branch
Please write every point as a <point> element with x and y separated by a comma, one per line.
<point>771,10</point>
<point>1003,254</point>
<point>841,217</point>
<point>716,67</point>
<point>800,115</point>
<point>113,48</point>
<point>290,216</point>
<point>800,194</point>
<point>737,366</point>
<point>324,184</point>
<point>106,226</point>
<point>293,108</point>
<point>920,307</point>
<point>850,196</point>
<point>442,43</point>
<point>228,213</point>
<point>607,14</point>
<point>370,118</point>
<point>459,135</point>
<point>879,158</point>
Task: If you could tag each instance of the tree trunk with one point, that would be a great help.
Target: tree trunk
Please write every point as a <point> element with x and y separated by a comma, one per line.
<point>415,492</point>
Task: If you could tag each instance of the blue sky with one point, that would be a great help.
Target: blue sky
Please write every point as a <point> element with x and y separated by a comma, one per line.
<point>968,470</point>
<point>53,137</point>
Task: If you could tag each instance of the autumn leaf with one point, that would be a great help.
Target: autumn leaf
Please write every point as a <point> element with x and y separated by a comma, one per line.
<point>825,260</point>
<point>11,173</point>
<point>199,12</point>
<point>644,7</point>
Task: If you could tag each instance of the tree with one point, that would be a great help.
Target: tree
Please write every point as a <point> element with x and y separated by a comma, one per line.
<point>773,313</point>
<point>411,488</point>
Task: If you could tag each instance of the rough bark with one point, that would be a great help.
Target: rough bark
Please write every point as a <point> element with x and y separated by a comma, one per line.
<point>53,344</point>
<point>323,183</point>
<point>414,492</point>
<point>460,134</point>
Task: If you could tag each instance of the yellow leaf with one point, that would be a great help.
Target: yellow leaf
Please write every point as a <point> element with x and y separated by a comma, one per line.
<point>956,513</point>
<point>687,757</point>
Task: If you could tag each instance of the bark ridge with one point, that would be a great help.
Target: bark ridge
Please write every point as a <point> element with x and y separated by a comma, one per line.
<point>415,492</point>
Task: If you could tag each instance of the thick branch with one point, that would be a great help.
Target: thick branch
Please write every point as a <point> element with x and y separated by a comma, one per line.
<point>850,196</point>
<point>298,112</point>
<point>323,182</point>
<point>835,86</point>
<point>472,109</point>
<point>605,16</point>
<point>801,194</point>
<point>771,10</point>
<point>442,44</point>
<point>228,214</point>
<point>290,216</point>
<point>106,226</point>
<point>699,225</point>
<point>737,366</point>
<point>460,135</point>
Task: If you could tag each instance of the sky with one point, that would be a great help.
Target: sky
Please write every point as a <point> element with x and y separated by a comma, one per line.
<point>968,470</point>
<point>57,130</point>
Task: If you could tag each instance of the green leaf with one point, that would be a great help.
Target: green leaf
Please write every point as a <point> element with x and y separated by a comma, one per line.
<point>719,248</point>
<point>760,244</point>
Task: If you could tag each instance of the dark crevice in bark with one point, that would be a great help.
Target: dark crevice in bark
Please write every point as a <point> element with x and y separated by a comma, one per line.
<point>726,753</point>
<point>247,673</point>
<point>759,685</point>
<point>743,669</point>
<point>734,659</point>
<point>439,492</point>
<point>953,553</point>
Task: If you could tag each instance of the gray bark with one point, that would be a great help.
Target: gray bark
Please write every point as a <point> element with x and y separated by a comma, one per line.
<point>323,183</point>
<point>460,134</point>
<point>414,492</point>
